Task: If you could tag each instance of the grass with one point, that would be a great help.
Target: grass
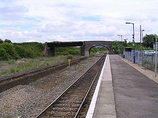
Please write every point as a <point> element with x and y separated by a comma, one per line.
<point>13,66</point>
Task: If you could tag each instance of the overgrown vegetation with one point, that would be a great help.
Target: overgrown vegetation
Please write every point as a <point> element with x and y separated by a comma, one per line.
<point>147,44</point>
<point>67,51</point>
<point>98,49</point>
<point>119,47</point>
<point>149,40</point>
<point>20,50</point>
<point>70,57</point>
<point>12,66</point>
<point>31,50</point>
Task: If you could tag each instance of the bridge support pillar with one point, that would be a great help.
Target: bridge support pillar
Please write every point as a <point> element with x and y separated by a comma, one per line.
<point>50,52</point>
<point>86,53</point>
<point>82,50</point>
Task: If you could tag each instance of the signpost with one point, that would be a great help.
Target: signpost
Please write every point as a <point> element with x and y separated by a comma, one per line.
<point>69,60</point>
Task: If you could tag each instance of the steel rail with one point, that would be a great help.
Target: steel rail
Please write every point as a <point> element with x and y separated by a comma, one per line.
<point>80,108</point>
<point>84,99</point>
<point>42,112</point>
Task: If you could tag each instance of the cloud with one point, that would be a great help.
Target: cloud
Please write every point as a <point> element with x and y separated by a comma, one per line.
<point>60,20</point>
<point>12,12</point>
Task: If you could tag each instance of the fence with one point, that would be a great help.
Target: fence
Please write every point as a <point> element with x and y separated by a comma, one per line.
<point>148,61</point>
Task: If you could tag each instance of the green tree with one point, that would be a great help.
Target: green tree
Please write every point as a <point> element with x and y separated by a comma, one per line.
<point>67,51</point>
<point>30,52</point>
<point>1,41</point>
<point>7,41</point>
<point>21,51</point>
<point>31,49</point>
<point>148,40</point>
<point>9,47</point>
<point>3,54</point>
<point>118,47</point>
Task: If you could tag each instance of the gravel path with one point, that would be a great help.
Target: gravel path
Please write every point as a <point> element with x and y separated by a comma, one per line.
<point>26,101</point>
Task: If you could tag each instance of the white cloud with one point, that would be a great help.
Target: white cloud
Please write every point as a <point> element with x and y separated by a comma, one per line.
<point>60,20</point>
<point>12,13</point>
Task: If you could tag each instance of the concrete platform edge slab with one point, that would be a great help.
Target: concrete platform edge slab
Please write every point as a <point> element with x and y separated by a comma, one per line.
<point>103,99</point>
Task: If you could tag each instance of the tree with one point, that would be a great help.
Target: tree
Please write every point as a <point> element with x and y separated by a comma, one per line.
<point>3,54</point>
<point>21,51</point>
<point>118,47</point>
<point>1,41</point>
<point>148,40</point>
<point>9,47</point>
<point>7,41</point>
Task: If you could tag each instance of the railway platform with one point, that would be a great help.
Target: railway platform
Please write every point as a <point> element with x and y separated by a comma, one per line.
<point>123,92</point>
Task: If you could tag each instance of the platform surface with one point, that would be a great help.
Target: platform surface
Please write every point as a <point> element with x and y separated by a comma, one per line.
<point>123,92</point>
<point>103,105</point>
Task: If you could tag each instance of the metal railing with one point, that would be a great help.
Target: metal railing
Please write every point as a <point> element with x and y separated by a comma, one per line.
<point>146,60</point>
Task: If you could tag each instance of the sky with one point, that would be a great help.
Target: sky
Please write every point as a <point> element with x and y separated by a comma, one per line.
<point>76,20</point>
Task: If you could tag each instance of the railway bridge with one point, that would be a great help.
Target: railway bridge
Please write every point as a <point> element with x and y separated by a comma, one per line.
<point>85,46</point>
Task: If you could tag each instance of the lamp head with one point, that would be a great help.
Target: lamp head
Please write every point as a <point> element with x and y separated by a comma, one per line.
<point>129,23</point>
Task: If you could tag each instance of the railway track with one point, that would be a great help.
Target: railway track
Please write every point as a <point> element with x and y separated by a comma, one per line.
<point>70,103</point>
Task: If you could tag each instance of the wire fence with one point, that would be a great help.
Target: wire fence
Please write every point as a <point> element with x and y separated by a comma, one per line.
<point>146,60</point>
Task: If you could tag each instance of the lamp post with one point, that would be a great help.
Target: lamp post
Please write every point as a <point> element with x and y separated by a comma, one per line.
<point>156,56</point>
<point>141,38</point>
<point>133,41</point>
<point>120,36</point>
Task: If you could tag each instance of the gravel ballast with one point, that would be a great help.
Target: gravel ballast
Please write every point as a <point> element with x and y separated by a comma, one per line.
<point>26,101</point>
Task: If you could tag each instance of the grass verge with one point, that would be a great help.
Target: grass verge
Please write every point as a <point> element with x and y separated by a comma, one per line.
<point>13,66</point>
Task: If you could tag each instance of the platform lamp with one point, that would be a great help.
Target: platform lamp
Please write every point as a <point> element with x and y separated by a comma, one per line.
<point>133,41</point>
<point>142,38</point>
<point>141,34</point>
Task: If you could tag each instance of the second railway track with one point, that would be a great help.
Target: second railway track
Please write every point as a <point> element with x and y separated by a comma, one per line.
<point>69,103</point>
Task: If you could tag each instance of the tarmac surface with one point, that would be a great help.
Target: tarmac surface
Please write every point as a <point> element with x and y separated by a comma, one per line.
<point>124,92</point>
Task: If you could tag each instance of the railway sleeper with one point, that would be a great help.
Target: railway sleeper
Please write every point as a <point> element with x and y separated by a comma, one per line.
<point>76,98</point>
<point>70,105</point>
<point>69,102</point>
<point>60,114</point>
<point>64,109</point>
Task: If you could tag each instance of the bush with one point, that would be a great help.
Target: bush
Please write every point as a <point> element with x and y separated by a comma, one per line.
<point>1,41</point>
<point>3,54</point>
<point>30,53</point>
<point>32,49</point>
<point>69,57</point>
<point>29,50</point>
<point>74,52</point>
<point>67,51</point>
<point>10,50</point>
<point>21,51</point>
